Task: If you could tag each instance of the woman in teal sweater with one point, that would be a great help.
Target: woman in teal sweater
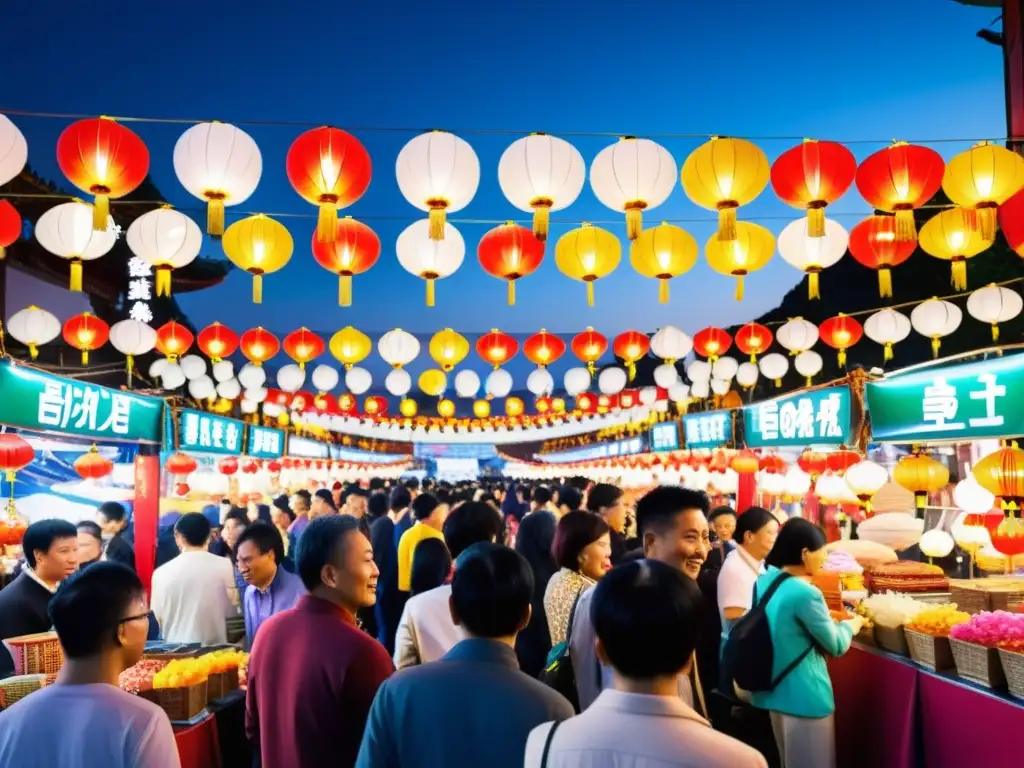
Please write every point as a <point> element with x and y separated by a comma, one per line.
<point>801,705</point>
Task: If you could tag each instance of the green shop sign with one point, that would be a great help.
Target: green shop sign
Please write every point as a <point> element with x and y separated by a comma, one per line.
<point>954,402</point>
<point>821,417</point>
<point>265,443</point>
<point>41,401</point>
<point>206,433</point>
<point>707,430</point>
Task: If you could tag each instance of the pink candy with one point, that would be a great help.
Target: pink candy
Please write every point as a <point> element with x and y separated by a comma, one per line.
<point>992,629</point>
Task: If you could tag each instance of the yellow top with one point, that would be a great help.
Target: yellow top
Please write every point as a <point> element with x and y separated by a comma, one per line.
<point>406,547</point>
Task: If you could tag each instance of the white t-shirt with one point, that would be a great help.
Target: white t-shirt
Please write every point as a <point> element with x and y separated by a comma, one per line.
<point>736,581</point>
<point>192,598</point>
<point>85,726</point>
<point>426,632</point>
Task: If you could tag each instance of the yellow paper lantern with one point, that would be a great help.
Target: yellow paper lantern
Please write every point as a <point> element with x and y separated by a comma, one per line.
<point>514,407</point>
<point>982,178</point>
<point>448,348</point>
<point>750,249</point>
<point>588,254</point>
<point>481,409</point>
<point>432,382</point>
<point>446,409</point>
<point>407,408</point>
<point>259,245</point>
<point>663,252</point>
<point>558,405</point>
<point>954,235</point>
<point>920,474</point>
<point>350,346</point>
<point>283,420</point>
<point>724,174</point>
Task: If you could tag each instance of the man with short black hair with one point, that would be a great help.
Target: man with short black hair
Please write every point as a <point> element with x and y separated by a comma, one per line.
<point>429,515</point>
<point>355,502</point>
<point>490,600</point>
<point>101,620</point>
<point>112,519</point>
<point>271,589</point>
<point>301,501</point>
<point>569,500</point>
<point>323,504</point>
<point>540,498</point>
<point>313,673</point>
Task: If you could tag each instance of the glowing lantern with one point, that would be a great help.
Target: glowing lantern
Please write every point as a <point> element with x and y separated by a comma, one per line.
<point>588,254</point>
<point>663,252</point>
<point>812,253</point>
<point>510,252</point>
<point>772,464</point>
<point>33,327</point>
<point>841,332</point>
<point>797,335</point>
<point>91,465</point>
<point>935,318</point>
<point>633,175</point>
<point>445,409</point>
<point>13,150</point>
<point>180,464</point>
<point>887,327</point>
<point>748,250</point>
<point>586,403</point>
<point>86,333</point>
<point>711,342</point>
<point>166,240</point>
<point>103,158</point>
<point>873,243</point>
<point>448,348</point>
<point>375,406</point>
<point>432,382</point>
<point>259,345</point>
<point>15,454</point>
<point>303,346</point>
<point>722,175</point>
<point>810,176</point>
<point>631,346</point>
<point>982,178</point>
<point>920,474</point>
<point>954,235</point>
<point>407,408</point>
<point>66,230</point>
<point>496,348</point>
<point>514,407</point>
<point>350,346</point>
<point>543,348</point>
<point>259,245</point>
<point>1011,221</point>
<point>10,226</point>
<point>217,342</point>
<point>541,173</point>
<point>1001,473</point>
<point>354,249</point>
<point>481,409</point>
<point>899,179</point>
<point>812,463</point>
<point>753,339</point>
<point>994,304</point>
<point>589,346</point>
<point>438,172</point>
<point>132,339</point>
<point>398,348</point>
<point>173,340</point>
<point>865,479</point>
<point>428,258</point>
<point>745,462</point>
<point>330,169</point>
<point>228,466</point>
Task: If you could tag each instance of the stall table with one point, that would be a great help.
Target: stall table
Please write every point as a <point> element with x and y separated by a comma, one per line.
<point>217,740</point>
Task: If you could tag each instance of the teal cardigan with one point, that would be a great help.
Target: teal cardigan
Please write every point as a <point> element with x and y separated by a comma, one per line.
<point>796,614</point>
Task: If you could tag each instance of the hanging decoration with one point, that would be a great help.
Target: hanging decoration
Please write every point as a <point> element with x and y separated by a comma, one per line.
<point>981,179</point>
<point>86,333</point>
<point>865,479</point>
<point>841,332</point>
<point>66,230</point>
<point>753,339</point>
<point>631,176</point>
<point>350,346</point>
<point>1011,221</point>
<point>10,226</point>
<point>103,158</point>
<point>481,409</point>
<point>874,244</point>
<point>994,304</point>
<point>438,172</point>
<point>398,348</point>
<point>812,253</point>
<point>711,342</point>
<point>920,474</point>
<point>92,465</point>
<point>1001,473</point>
<point>589,346</point>
<point>173,340</point>
<point>663,252</point>
<point>13,150</point>
<point>887,327</point>
<point>303,346</point>
<point>576,381</point>
<point>427,257</point>
<point>808,364</point>
<point>448,348</point>
<point>16,453</point>
<point>467,383</point>
<point>797,335</point>
<point>899,179</point>
<point>445,409</point>
<point>258,345</point>
<point>543,348</point>
<point>498,383</point>
<point>353,251</point>
<point>132,339</point>
<point>541,173</point>
<point>432,382</point>
<point>810,176</point>
<point>588,254</point>
<point>165,239</point>
<point>514,407</point>
<point>33,327</point>
<point>631,346</point>
<point>748,250</point>
<point>936,318</point>
<point>670,344</point>
<point>259,245</point>
<point>217,341</point>
<point>496,348</point>
<point>509,252</point>
<point>954,235</point>
<point>723,174</point>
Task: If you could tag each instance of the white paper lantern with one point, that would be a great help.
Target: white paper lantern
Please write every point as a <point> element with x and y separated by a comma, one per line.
<point>498,383</point>
<point>467,383</point>
<point>66,231</point>
<point>887,327</point>
<point>202,388</point>
<point>611,381</point>
<point>325,378</point>
<point>866,478</point>
<point>157,368</point>
<point>273,410</point>
<point>230,389</point>
<point>699,370</point>
<point>700,389</point>
<point>797,335</point>
<point>812,254</point>
<point>290,378</point>
<point>430,259</point>
<point>13,150</point>
<point>720,386</point>
<point>633,175</point>
<point>172,376</point>
<point>671,344</point>
<point>771,483</point>
<point>724,368</point>
<point>540,382</point>
<point>665,375</point>
<point>252,376</point>
<point>398,382</point>
<point>256,395</point>
<point>648,396</point>
<point>747,374</point>
<point>971,497</point>
<point>33,326</point>
<point>248,406</point>
<point>576,381</point>
<point>936,543</point>
<point>223,370</point>
<point>220,164</point>
<point>541,173</point>
<point>969,537</point>
<point>679,393</point>
<point>398,348</point>
<point>358,380</point>
<point>438,172</point>
<point>936,318</point>
<point>994,304</point>
<point>774,366</point>
<point>165,239</point>
<point>808,364</point>
<point>797,483</point>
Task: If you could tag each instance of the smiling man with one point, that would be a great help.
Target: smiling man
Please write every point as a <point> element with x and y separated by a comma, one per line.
<point>271,589</point>
<point>673,526</point>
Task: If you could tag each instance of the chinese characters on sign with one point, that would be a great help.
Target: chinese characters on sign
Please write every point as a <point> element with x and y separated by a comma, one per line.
<point>206,433</point>
<point>599,451</point>
<point>265,443</point>
<point>821,417</point>
<point>708,430</point>
<point>665,437</point>
<point>140,290</point>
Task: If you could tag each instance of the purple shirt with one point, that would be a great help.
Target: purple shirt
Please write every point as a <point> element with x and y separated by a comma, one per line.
<point>284,591</point>
<point>298,526</point>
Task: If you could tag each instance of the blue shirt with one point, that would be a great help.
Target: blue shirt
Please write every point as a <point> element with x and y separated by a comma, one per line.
<point>798,617</point>
<point>284,591</point>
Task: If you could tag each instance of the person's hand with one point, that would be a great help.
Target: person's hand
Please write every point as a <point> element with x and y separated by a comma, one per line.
<point>856,624</point>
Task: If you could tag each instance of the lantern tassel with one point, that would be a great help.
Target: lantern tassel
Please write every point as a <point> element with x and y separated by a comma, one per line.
<point>511,293</point>
<point>590,294</point>
<point>591,367</point>
<point>541,221</point>
<point>75,284</point>
<point>816,221</point>
<point>257,289</point>
<point>987,222</point>
<point>437,220</point>
<point>959,270</point>
<point>887,352</point>
<point>33,350</point>
<point>842,358</point>
<point>85,357</point>
<point>753,358</point>
<point>936,343</point>
<point>663,291</point>
<point>739,288</point>
<point>778,383</point>
<point>430,291</point>
<point>727,224</point>
<point>3,252</point>
<point>813,289</point>
<point>100,213</point>
<point>995,333</point>
<point>344,291</point>
<point>634,222</point>
<point>327,222</point>
<point>163,281</point>
<point>809,381</point>
<point>885,283</point>
<point>631,369</point>
<point>215,217</point>
<point>906,229</point>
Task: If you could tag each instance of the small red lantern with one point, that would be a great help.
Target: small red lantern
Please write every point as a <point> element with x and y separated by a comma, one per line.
<point>354,250</point>
<point>182,489</point>
<point>631,346</point>
<point>586,403</point>
<point>173,340</point>
<point>873,243</point>
<point>841,332</point>
<point>589,346</point>
<point>543,405</point>
<point>10,226</point>
<point>543,348</point>
<point>745,462</point>
<point>346,404</point>
<point>772,464</point>
<point>180,464</point>
<point>496,348</point>
<point>274,467</point>
<point>86,333</point>
<point>841,460</point>
<point>899,179</point>
<point>812,175</point>
<point>250,467</point>
<point>712,343</point>
<point>329,168</point>
<point>753,339</point>
<point>813,463</point>
<point>91,465</point>
<point>376,407</point>
<point>15,454</point>
<point>228,466</point>
<point>259,345</point>
<point>302,346</point>
<point>510,252</point>
<point>217,342</point>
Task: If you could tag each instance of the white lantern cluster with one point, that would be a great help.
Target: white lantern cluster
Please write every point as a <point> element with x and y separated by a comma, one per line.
<point>33,326</point>
<point>427,257</point>
<point>935,319</point>
<point>541,173</point>
<point>887,327</point>
<point>166,240</point>
<point>994,304</point>
<point>633,176</point>
<point>437,172</point>
<point>66,231</point>
<point>812,254</point>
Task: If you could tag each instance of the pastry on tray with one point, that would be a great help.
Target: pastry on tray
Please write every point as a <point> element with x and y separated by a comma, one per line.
<point>906,577</point>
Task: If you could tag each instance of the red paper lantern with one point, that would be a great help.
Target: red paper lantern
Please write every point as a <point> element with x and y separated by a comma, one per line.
<point>812,462</point>
<point>712,343</point>
<point>91,465</point>
<point>15,454</point>
<point>10,226</point>
<point>586,403</point>
<point>302,346</point>
<point>173,340</point>
<point>329,168</point>
<point>375,406</point>
<point>772,464</point>
<point>354,249</point>
<point>841,332</point>
<point>86,333</point>
<point>631,346</point>
<point>753,339</point>
<point>180,464</point>
<point>510,252</point>
<point>745,462</point>
<point>543,348</point>
<point>274,467</point>
<point>543,405</point>
<point>1011,222</point>
<point>250,467</point>
<point>873,243</point>
<point>589,346</point>
<point>346,404</point>
<point>496,348</point>
<point>812,175</point>
<point>103,158</point>
<point>228,466</point>
<point>899,179</point>
<point>259,345</point>
<point>182,489</point>
<point>217,342</point>
<point>842,460</point>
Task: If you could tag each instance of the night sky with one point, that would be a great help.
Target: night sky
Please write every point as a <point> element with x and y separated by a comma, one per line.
<point>863,72</point>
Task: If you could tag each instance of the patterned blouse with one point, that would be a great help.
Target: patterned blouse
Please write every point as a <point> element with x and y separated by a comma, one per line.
<point>559,598</point>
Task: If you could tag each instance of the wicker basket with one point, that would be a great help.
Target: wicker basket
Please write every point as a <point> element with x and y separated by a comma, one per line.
<point>891,639</point>
<point>18,687</point>
<point>929,650</point>
<point>866,636</point>
<point>220,684</point>
<point>978,663</point>
<point>1013,668</point>
<point>179,703</point>
<point>38,654</point>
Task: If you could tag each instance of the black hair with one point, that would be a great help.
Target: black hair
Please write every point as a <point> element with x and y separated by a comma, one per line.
<point>752,521</point>
<point>431,564</point>
<point>491,590</point>
<point>327,498</point>
<point>194,528</point>
<point>469,524</point>
<point>319,544</point>
<point>718,512</point>
<point>427,484</point>
<point>357,490</point>
<point>266,538</point>
<point>377,505</point>
<point>112,511</point>
<point>444,495</point>
<point>648,617</point>
<point>306,496</point>
<point>576,531</point>
<point>377,484</point>
<point>578,482</point>
<point>40,537</point>
<point>603,495</point>
<point>540,495</point>
<point>411,483</point>
<point>657,510</point>
<point>400,498</point>
<point>281,502</point>
<point>570,497</point>
<point>88,526</point>
<point>794,537</point>
<point>237,513</point>
<point>423,506</point>
<point>89,606</point>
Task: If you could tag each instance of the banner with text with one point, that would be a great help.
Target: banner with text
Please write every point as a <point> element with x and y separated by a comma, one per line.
<point>206,433</point>
<point>265,442</point>
<point>707,430</point>
<point>819,417</point>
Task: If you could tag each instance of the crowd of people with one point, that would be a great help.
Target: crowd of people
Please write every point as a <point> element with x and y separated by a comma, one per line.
<point>424,624</point>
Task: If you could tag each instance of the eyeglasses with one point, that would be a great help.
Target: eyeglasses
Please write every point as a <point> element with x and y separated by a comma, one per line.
<point>145,615</point>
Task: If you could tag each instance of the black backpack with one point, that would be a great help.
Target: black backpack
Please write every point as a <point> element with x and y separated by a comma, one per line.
<point>749,657</point>
<point>558,672</point>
